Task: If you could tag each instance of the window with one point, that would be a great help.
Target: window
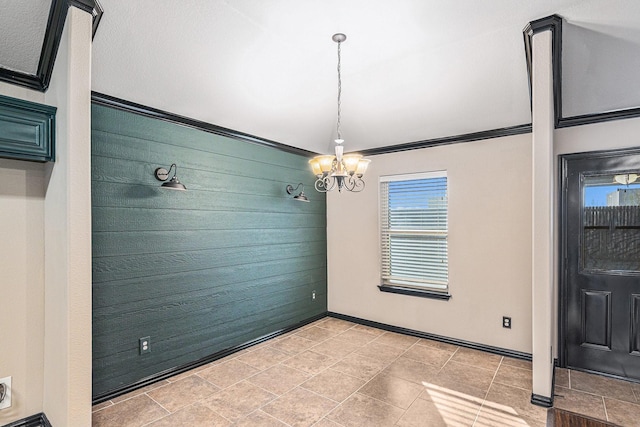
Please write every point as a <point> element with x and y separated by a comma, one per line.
<point>414,226</point>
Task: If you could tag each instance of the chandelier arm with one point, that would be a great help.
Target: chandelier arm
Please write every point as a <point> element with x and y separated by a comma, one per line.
<point>354,184</point>
<point>329,183</point>
<point>319,186</point>
<point>350,183</point>
<point>324,184</point>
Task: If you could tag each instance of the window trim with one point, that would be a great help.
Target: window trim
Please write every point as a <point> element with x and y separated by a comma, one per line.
<point>414,176</point>
<point>422,293</point>
<point>409,290</point>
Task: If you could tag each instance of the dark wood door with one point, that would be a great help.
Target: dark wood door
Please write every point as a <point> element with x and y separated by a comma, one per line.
<point>601,290</point>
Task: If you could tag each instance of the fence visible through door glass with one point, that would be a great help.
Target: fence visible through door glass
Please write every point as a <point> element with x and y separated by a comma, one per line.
<point>611,223</point>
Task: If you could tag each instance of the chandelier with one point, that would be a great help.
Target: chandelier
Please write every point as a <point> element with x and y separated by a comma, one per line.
<point>341,171</point>
<point>626,179</point>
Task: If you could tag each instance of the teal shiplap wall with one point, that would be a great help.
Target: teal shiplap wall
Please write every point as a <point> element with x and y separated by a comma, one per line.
<point>229,260</point>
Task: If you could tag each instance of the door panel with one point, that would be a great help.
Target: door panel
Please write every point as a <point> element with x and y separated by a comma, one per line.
<point>596,319</point>
<point>602,266</point>
<point>634,336</point>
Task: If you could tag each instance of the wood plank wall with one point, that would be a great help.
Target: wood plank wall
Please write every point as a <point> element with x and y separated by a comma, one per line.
<point>229,260</point>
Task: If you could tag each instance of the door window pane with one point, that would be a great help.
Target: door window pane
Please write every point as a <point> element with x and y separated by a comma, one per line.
<point>611,223</point>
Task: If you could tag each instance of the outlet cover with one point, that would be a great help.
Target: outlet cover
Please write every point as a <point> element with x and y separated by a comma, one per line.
<point>6,402</point>
<point>506,322</point>
<point>144,344</point>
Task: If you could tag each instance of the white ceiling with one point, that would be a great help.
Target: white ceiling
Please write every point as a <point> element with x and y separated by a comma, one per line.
<point>412,69</point>
<point>22,27</point>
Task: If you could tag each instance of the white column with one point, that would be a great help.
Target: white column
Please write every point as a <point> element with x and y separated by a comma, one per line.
<point>542,215</point>
<point>67,233</point>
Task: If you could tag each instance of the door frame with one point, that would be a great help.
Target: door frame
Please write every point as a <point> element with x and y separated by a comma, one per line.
<point>563,284</point>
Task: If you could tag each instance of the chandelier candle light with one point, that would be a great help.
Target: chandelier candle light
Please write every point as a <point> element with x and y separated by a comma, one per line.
<point>343,171</point>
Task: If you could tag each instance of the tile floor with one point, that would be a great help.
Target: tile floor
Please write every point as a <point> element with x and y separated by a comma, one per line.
<point>598,397</point>
<point>337,373</point>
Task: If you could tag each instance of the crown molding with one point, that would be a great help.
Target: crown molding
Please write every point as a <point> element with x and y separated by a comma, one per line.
<point>90,6</point>
<point>553,23</point>
<point>587,119</point>
<point>132,107</point>
<point>467,137</point>
<point>53,34</point>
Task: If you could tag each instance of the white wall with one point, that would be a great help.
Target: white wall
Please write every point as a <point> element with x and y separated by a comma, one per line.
<point>21,284</point>
<point>490,237</point>
<point>601,136</point>
<point>67,228</point>
<point>489,245</point>
<point>45,256</point>
<point>543,266</point>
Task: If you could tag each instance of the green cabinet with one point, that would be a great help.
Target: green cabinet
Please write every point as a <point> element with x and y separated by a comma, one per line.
<point>27,130</point>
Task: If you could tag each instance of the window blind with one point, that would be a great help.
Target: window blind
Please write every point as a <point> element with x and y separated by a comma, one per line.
<point>414,228</point>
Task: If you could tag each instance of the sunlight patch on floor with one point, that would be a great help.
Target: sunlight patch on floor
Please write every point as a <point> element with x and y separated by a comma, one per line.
<point>460,409</point>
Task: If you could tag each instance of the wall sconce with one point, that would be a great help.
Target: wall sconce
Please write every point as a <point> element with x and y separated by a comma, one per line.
<point>299,197</point>
<point>174,183</point>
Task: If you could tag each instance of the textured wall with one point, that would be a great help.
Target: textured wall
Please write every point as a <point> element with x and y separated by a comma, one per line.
<point>231,259</point>
<point>489,245</point>
<point>22,193</point>
<point>23,27</point>
<point>67,232</point>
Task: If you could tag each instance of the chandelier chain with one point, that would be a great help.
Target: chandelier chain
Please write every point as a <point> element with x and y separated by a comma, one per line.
<point>341,171</point>
<point>339,92</point>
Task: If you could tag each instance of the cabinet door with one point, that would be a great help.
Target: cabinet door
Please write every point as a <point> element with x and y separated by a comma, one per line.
<point>27,130</point>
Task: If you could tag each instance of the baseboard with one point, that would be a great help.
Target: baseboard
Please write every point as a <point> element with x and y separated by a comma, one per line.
<point>38,420</point>
<point>547,402</point>
<point>224,353</point>
<point>468,344</point>
<point>205,360</point>
<point>544,401</point>
<point>536,399</point>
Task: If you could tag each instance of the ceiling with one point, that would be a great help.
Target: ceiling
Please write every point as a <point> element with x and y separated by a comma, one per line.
<point>412,70</point>
<point>23,24</point>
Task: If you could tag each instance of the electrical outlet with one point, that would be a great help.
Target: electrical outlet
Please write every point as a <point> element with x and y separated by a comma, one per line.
<point>145,345</point>
<point>313,295</point>
<point>5,392</point>
<point>506,322</point>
